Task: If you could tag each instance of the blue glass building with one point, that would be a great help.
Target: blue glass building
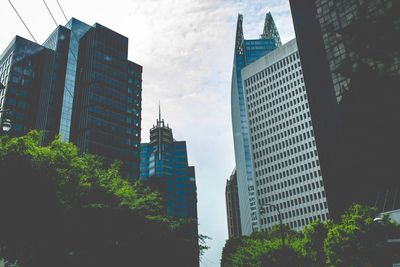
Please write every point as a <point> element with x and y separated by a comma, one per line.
<point>164,166</point>
<point>246,52</point>
<point>79,84</point>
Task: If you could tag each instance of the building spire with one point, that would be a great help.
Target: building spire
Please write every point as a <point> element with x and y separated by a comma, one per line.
<point>270,31</point>
<point>159,130</point>
<point>159,110</point>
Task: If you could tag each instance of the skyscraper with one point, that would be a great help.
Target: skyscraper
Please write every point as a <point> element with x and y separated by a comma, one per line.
<point>232,206</point>
<point>287,172</point>
<point>351,68</point>
<point>164,166</point>
<point>246,52</point>
<point>21,71</point>
<point>78,84</point>
<point>107,104</point>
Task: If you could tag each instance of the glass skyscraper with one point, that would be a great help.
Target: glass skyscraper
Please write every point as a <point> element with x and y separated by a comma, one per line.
<point>246,52</point>
<point>21,69</point>
<point>351,69</point>
<point>164,166</point>
<point>81,85</point>
<point>107,107</point>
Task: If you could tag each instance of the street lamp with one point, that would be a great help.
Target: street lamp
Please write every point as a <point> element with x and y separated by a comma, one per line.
<point>276,207</point>
<point>5,122</point>
<point>6,125</point>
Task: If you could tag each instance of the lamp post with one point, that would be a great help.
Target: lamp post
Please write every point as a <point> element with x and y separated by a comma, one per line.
<point>5,122</point>
<point>280,219</point>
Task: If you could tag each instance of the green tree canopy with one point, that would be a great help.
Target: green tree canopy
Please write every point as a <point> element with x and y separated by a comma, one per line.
<point>355,241</point>
<point>60,208</point>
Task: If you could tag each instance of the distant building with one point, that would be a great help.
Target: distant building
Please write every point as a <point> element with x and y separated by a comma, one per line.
<point>351,64</point>
<point>232,206</point>
<point>78,84</point>
<point>246,52</point>
<point>164,166</point>
<point>287,172</point>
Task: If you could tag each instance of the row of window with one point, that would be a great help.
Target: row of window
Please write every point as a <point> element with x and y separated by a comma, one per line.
<point>267,108</point>
<point>299,211</point>
<point>290,188</point>
<point>288,164</point>
<point>273,68</point>
<point>300,125</point>
<point>295,192</point>
<point>280,147</point>
<point>297,86</point>
<point>297,223</point>
<point>287,75</point>
<point>270,180</point>
<point>302,131</point>
<point>287,160</point>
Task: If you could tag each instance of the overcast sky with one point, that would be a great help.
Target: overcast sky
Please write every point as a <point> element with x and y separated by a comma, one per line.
<point>186,50</point>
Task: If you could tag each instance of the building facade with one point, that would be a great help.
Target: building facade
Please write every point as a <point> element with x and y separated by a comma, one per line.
<point>351,68</point>
<point>21,72</point>
<point>164,166</point>
<point>78,84</point>
<point>287,171</point>
<point>232,206</point>
<point>246,52</point>
<point>107,107</point>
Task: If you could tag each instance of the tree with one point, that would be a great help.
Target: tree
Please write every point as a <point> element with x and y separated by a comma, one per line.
<point>283,256</point>
<point>60,208</point>
<point>263,249</point>
<point>313,242</point>
<point>357,241</point>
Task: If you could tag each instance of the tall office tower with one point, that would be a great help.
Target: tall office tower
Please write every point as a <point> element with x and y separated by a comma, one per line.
<point>107,106</point>
<point>232,206</point>
<point>284,152</point>
<point>164,166</point>
<point>78,84</point>
<point>351,65</point>
<point>246,52</point>
<point>21,69</point>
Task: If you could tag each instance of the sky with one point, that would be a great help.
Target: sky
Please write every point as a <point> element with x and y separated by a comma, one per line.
<point>186,50</point>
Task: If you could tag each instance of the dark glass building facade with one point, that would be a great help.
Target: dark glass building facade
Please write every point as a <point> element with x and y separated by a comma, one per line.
<point>351,65</point>
<point>164,166</point>
<point>107,111</point>
<point>78,84</point>
<point>21,71</point>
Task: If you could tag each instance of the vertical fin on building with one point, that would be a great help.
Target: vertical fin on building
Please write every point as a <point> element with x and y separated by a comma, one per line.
<point>270,31</point>
<point>239,49</point>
